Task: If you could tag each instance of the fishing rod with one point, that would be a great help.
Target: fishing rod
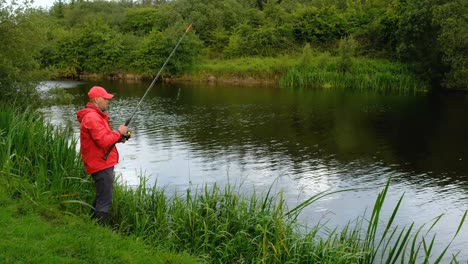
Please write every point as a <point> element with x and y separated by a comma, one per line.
<point>127,122</point>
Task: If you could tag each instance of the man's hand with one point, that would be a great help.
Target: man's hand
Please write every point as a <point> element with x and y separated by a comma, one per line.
<point>126,134</point>
<point>123,129</point>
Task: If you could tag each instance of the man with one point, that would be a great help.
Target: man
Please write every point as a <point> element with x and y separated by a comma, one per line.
<point>96,138</point>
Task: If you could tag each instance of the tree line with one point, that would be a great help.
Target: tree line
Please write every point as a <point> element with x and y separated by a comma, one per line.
<point>78,37</point>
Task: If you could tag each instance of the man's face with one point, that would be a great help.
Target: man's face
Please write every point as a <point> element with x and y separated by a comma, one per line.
<point>102,103</point>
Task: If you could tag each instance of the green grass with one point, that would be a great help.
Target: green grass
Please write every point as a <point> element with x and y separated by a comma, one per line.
<point>244,69</point>
<point>224,225</point>
<point>322,70</point>
<point>32,234</point>
<point>44,197</point>
<point>313,69</point>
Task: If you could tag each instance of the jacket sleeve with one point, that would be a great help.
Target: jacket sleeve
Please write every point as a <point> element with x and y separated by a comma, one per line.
<point>99,132</point>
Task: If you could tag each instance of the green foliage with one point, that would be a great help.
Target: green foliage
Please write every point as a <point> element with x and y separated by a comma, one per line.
<point>56,96</point>
<point>21,34</point>
<point>57,9</point>
<point>208,16</point>
<point>220,40</point>
<point>267,40</point>
<point>318,25</point>
<point>452,18</point>
<point>267,69</point>
<point>158,45</point>
<point>41,178</point>
<point>141,21</point>
<point>268,34</point>
<point>109,38</point>
<point>34,150</point>
<point>238,42</point>
<point>307,56</point>
<point>432,36</point>
<point>417,39</point>
<point>93,48</point>
<point>346,51</point>
<point>381,30</point>
<point>63,55</point>
<point>80,13</point>
<point>101,48</point>
<point>227,226</point>
<point>345,72</point>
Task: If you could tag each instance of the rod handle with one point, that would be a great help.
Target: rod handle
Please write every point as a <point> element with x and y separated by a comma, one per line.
<point>188,28</point>
<point>108,152</point>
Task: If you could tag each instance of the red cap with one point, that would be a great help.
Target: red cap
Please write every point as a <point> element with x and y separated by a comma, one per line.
<point>98,91</point>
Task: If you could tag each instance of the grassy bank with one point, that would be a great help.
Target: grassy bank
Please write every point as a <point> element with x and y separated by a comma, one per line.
<point>44,196</point>
<point>361,74</point>
<point>312,69</point>
<point>39,232</point>
<point>242,70</point>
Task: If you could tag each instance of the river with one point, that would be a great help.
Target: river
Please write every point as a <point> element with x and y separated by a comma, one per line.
<point>300,142</point>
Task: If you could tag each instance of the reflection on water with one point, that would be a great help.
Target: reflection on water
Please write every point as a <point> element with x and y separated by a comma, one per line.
<point>301,142</point>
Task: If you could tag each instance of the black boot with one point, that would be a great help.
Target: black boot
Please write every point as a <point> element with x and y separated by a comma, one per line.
<point>101,217</point>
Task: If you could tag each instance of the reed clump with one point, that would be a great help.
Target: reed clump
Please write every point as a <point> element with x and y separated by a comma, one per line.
<point>344,71</point>
<point>245,70</point>
<point>315,69</point>
<point>227,227</point>
<point>40,164</point>
<point>35,151</point>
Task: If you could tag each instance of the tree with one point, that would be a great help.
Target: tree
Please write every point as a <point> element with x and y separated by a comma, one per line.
<point>346,51</point>
<point>452,18</point>
<point>93,48</point>
<point>319,25</point>
<point>266,33</point>
<point>432,36</point>
<point>79,13</point>
<point>209,16</point>
<point>158,45</point>
<point>22,36</point>
<point>417,40</point>
<point>141,20</point>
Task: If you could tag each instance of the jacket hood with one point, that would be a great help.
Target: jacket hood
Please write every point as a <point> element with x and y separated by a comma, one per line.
<point>88,109</point>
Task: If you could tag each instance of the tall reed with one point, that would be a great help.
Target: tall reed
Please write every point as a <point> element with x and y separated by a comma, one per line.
<point>244,69</point>
<point>322,70</point>
<point>35,151</point>
<point>228,227</point>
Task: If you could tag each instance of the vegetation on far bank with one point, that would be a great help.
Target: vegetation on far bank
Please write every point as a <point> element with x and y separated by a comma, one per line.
<point>76,38</point>
<point>45,197</point>
<point>313,69</point>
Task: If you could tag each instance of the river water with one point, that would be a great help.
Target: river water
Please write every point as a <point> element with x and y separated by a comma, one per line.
<point>300,142</point>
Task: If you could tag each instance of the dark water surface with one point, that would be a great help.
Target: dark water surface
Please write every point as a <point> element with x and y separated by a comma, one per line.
<point>300,142</point>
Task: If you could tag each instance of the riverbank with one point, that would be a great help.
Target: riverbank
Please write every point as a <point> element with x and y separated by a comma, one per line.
<point>249,70</point>
<point>43,195</point>
<point>311,69</point>
<point>38,231</point>
<point>44,179</point>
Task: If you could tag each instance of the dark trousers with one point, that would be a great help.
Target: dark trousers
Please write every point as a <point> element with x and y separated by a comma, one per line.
<point>104,181</point>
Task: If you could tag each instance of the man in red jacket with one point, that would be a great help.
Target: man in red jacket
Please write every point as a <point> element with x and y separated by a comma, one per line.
<point>96,138</point>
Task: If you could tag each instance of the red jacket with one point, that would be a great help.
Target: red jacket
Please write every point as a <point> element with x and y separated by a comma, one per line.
<point>96,137</point>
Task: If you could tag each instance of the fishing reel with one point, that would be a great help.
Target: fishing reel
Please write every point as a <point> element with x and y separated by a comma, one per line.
<point>126,136</point>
